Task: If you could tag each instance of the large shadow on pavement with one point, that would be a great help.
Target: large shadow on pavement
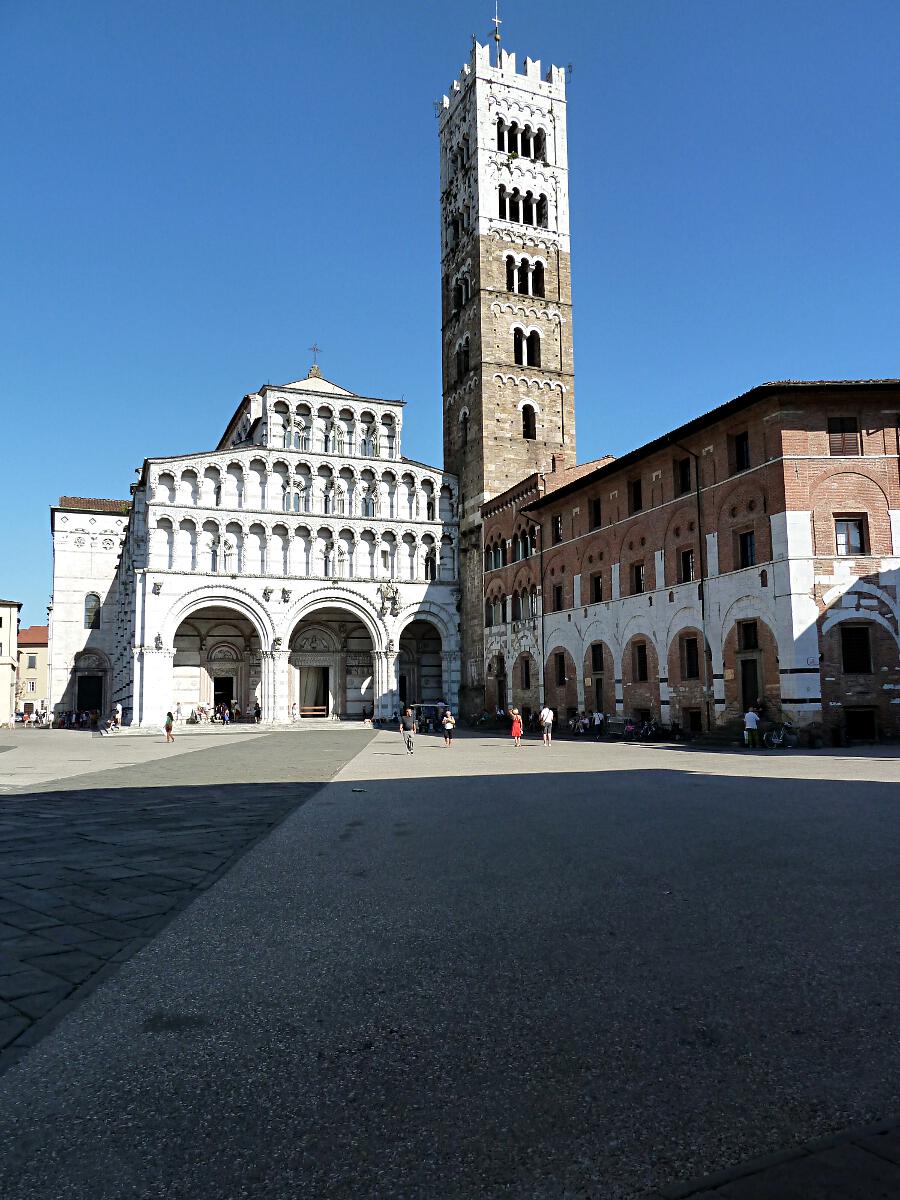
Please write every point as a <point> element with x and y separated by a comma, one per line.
<point>542,985</point>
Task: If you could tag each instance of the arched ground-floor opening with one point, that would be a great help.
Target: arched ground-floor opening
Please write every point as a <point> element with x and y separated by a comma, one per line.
<point>331,667</point>
<point>420,673</point>
<point>216,661</point>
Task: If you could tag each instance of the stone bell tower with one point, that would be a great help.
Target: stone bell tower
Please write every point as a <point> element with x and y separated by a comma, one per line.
<point>506,323</point>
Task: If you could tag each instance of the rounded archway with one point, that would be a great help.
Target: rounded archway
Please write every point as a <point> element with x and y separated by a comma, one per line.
<point>420,676</point>
<point>216,661</point>
<point>331,666</point>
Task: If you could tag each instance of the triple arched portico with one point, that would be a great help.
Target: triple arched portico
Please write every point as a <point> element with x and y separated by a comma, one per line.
<point>331,651</point>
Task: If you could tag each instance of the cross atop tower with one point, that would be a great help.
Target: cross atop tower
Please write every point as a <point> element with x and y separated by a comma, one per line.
<point>496,22</point>
<point>315,371</point>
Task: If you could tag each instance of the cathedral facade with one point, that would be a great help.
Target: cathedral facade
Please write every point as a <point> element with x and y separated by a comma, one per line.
<point>303,565</point>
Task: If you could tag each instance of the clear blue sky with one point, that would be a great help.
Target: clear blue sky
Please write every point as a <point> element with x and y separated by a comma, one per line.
<point>195,190</point>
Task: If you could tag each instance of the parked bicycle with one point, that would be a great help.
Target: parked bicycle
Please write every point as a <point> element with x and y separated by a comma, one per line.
<point>782,735</point>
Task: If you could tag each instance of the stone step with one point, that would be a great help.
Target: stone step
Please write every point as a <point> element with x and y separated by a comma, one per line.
<point>208,729</point>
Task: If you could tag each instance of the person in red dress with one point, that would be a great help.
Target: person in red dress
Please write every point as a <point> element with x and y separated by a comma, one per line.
<point>516,727</point>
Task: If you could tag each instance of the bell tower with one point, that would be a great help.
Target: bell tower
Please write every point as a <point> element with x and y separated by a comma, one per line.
<point>506,302</point>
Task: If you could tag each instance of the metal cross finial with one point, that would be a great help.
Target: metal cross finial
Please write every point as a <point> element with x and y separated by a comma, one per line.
<point>497,23</point>
<point>315,349</point>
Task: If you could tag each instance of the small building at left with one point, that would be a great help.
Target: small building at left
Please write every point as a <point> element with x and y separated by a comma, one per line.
<point>9,630</point>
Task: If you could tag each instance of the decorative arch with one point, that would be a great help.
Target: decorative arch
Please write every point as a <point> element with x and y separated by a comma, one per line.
<point>223,596</point>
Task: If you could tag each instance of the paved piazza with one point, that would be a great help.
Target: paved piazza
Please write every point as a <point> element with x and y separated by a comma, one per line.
<point>307,964</point>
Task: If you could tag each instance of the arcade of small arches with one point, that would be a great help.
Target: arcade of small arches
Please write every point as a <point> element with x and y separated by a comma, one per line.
<point>522,545</point>
<point>525,276</point>
<point>286,551</point>
<point>526,141</point>
<point>302,486</point>
<point>335,661</point>
<point>329,430</point>
<point>523,208</point>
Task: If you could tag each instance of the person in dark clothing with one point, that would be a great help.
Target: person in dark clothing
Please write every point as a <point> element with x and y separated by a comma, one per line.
<point>408,728</point>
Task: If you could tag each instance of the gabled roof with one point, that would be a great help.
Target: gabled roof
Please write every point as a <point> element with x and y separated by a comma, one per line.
<point>89,504</point>
<point>34,635</point>
<point>318,383</point>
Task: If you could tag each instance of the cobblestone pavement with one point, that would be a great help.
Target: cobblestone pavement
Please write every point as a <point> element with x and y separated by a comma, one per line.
<point>92,867</point>
<point>592,973</point>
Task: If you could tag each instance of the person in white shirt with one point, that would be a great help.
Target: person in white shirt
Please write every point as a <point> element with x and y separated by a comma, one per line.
<point>546,719</point>
<point>751,728</point>
<point>449,723</point>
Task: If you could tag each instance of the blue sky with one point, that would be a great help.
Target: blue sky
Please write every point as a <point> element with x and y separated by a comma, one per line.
<point>194,191</point>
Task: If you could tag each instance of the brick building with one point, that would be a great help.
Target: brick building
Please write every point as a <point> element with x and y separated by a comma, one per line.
<point>752,553</point>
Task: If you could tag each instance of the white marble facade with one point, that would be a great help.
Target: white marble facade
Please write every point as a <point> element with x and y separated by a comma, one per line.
<point>303,564</point>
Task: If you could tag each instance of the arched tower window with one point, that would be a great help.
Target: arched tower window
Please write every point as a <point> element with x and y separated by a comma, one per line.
<point>510,273</point>
<point>519,347</point>
<point>542,211</point>
<point>537,279</point>
<point>523,277</point>
<point>528,209</point>
<point>533,347</point>
<point>529,424</point>
<point>465,355</point>
<point>501,132</point>
<point>464,429</point>
<point>92,611</point>
<point>540,145</point>
<point>503,209</point>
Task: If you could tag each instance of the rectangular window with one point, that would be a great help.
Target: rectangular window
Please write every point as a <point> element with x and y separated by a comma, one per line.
<point>843,435</point>
<point>685,566</point>
<point>557,530</point>
<point>526,674</point>
<point>740,452</point>
<point>596,588</point>
<point>640,662</point>
<point>682,476</point>
<point>690,658</point>
<point>850,535</point>
<point>856,649</point>
<point>635,496</point>
<point>747,549</point>
<point>596,657</point>
<point>637,578</point>
<point>32,662</point>
<point>557,597</point>
<point>560,660</point>
<point>748,635</point>
<point>32,686</point>
<point>596,513</point>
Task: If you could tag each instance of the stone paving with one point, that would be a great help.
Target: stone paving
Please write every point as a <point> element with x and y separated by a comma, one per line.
<point>93,866</point>
<point>597,972</point>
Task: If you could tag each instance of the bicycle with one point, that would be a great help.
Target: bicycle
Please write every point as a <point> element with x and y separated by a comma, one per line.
<point>782,735</point>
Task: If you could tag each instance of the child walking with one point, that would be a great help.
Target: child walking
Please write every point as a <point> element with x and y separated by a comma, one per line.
<point>170,721</point>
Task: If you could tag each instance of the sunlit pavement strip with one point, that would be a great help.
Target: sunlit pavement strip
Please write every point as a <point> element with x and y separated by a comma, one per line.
<point>34,757</point>
<point>481,972</point>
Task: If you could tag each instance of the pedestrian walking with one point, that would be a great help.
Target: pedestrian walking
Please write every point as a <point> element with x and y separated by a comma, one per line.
<point>751,728</point>
<point>257,712</point>
<point>170,721</point>
<point>598,725</point>
<point>546,719</point>
<point>516,727</point>
<point>178,713</point>
<point>408,729</point>
<point>449,723</point>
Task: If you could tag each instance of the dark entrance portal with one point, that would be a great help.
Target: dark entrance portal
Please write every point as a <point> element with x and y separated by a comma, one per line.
<point>89,693</point>
<point>223,690</point>
<point>749,682</point>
